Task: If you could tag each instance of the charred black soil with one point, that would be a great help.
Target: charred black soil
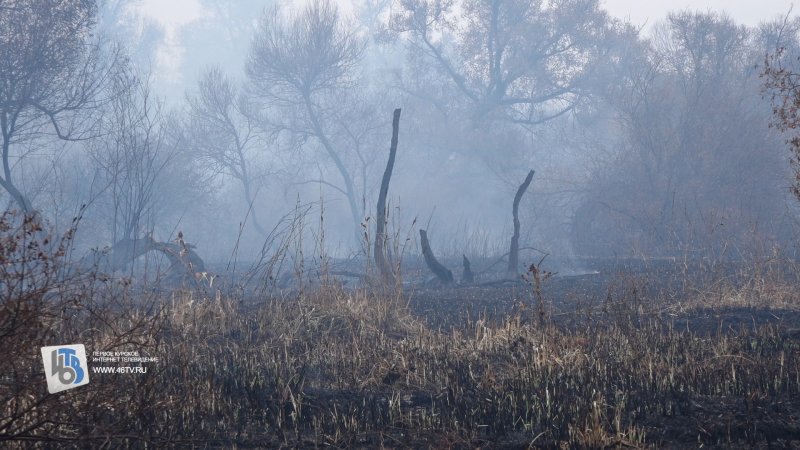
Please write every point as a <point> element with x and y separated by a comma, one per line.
<point>607,357</point>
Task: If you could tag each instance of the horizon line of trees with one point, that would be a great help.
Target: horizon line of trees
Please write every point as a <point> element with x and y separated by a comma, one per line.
<point>655,144</point>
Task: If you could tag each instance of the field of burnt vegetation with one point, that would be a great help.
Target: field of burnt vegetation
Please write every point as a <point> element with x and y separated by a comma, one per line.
<point>622,353</point>
<point>591,238</point>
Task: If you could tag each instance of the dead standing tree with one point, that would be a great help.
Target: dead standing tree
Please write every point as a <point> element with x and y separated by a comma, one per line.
<point>446,276</point>
<point>513,253</point>
<point>381,261</point>
<point>467,277</point>
<point>442,273</point>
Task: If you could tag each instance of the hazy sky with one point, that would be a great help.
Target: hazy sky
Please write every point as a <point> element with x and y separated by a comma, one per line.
<point>748,12</point>
<point>172,15</point>
<point>175,13</point>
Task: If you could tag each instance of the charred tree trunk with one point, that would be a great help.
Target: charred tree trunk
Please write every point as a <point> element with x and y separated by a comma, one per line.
<point>467,275</point>
<point>184,261</point>
<point>126,250</point>
<point>181,255</point>
<point>381,261</point>
<point>442,273</point>
<point>513,253</point>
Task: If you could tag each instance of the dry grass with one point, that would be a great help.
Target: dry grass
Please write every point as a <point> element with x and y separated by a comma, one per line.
<point>345,369</point>
<point>331,367</point>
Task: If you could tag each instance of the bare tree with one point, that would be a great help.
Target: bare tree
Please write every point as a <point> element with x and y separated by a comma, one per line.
<point>223,134</point>
<point>781,74</point>
<point>695,167</point>
<point>519,61</point>
<point>141,160</point>
<point>52,74</point>
<point>304,66</point>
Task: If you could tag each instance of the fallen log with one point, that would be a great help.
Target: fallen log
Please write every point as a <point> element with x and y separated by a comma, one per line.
<point>126,250</point>
<point>442,273</point>
<point>184,261</point>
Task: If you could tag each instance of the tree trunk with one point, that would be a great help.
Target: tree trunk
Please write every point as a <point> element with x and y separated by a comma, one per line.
<point>466,275</point>
<point>126,250</point>
<point>442,273</point>
<point>6,183</point>
<point>183,259</point>
<point>19,198</point>
<point>337,161</point>
<point>513,254</point>
<point>251,205</point>
<point>381,261</point>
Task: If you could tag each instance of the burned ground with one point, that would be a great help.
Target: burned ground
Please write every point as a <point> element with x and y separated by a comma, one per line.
<point>628,355</point>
